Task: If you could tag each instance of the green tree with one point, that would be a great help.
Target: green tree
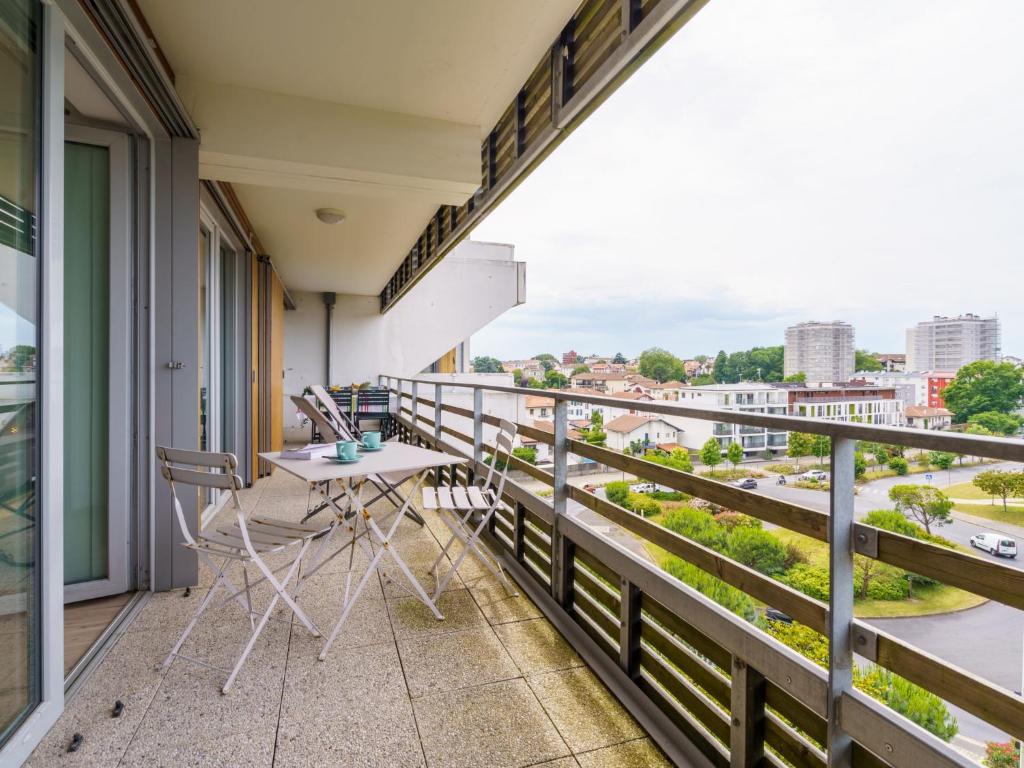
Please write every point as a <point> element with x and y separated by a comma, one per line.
<point>996,422</point>
<point>619,359</point>
<point>661,365</point>
<point>799,377</point>
<point>617,492</point>
<point>1000,483</point>
<point>486,364</point>
<point>702,380</point>
<point>720,371</point>
<point>821,446</point>
<point>21,357</point>
<point>983,386</point>
<point>596,434</point>
<point>545,356</point>
<point>928,505</point>
<point>866,361</point>
<point>555,380</point>
<point>734,453</point>
<point>517,377</point>
<point>581,368</point>
<point>798,445</point>
<point>711,454</point>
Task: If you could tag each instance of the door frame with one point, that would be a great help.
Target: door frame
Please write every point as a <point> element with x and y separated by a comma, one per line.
<point>120,393</point>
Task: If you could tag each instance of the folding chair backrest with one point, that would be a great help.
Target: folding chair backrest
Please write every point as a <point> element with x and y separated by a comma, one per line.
<point>342,423</point>
<point>179,467</point>
<point>503,452</point>
<point>327,431</point>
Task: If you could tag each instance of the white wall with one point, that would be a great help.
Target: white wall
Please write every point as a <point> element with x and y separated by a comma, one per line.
<point>472,286</point>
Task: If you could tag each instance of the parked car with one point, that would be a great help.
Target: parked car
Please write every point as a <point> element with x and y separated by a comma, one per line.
<point>774,614</point>
<point>747,483</point>
<point>815,475</point>
<point>994,544</point>
<point>643,488</point>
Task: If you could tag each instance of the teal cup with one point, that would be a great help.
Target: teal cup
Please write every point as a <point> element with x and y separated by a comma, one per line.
<point>346,449</point>
<point>371,440</point>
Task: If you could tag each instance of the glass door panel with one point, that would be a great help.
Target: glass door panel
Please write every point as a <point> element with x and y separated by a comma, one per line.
<point>86,362</point>
<point>20,638</point>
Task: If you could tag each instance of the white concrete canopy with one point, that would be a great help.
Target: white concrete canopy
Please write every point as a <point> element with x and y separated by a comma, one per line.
<point>375,108</point>
<point>252,136</point>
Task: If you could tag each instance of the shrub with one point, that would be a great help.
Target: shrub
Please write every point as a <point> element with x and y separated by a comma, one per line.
<point>899,465</point>
<point>913,702</point>
<point>781,469</point>
<point>812,580</point>
<point>526,453</point>
<point>860,464</point>
<point>1002,754</point>
<point>617,492</point>
<point>698,525</point>
<point>891,520</point>
<point>758,549</point>
<point>888,583</point>
<point>670,496</point>
<point>794,554</point>
<point>641,504</point>
<point>801,639</point>
<point>726,596</point>
<point>733,520</point>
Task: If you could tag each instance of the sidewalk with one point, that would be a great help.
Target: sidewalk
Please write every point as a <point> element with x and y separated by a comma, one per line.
<point>998,526</point>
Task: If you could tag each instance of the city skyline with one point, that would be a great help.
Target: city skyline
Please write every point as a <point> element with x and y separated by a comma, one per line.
<point>767,190</point>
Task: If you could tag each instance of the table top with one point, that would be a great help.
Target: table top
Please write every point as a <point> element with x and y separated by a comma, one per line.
<point>394,458</point>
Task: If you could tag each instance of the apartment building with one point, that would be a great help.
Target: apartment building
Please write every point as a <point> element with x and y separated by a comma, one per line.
<point>862,403</point>
<point>822,351</point>
<point>949,343</point>
<point>921,388</point>
<point>752,397</point>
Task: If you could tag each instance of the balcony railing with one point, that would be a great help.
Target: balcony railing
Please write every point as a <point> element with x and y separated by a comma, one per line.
<point>710,687</point>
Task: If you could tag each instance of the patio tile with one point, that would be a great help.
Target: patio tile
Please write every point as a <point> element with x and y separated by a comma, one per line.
<point>411,617</point>
<point>562,762</point>
<point>127,673</point>
<point>498,725</point>
<point>352,709</point>
<point>583,710</point>
<point>454,660</point>
<point>367,623</point>
<point>250,748</point>
<point>641,753</point>
<point>499,607</point>
<point>536,646</point>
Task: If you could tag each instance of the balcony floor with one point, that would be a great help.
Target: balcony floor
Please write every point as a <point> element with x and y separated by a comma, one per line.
<point>493,685</point>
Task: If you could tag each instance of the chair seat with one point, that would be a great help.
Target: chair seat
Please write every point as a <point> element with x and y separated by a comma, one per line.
<point>457,497</point>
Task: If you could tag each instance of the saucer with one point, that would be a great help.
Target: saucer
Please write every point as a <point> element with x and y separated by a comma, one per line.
<point>368,449</point>
<point>339,460</point>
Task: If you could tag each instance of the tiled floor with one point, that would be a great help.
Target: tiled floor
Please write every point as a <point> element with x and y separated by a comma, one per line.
<point>492,685</point>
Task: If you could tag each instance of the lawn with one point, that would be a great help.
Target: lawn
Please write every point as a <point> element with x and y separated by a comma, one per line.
<point>927,600</point>
<point>725,474</point>
<point>1014,515</point>
<point>965,491</point>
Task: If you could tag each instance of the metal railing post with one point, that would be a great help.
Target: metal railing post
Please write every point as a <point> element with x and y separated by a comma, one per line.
<point>478,425</point>
<point>746,704</point>
<point>437,415</point>
<point>561,548</point>
<point>413,405</point>
<point>840,600</point>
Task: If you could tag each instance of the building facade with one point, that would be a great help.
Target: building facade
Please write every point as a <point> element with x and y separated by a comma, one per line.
<point>752,397</point>
<point>823,352</point>
<point>949,343</point>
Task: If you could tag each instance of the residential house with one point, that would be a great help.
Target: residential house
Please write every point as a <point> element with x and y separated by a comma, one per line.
<point>543,448</point>
<point>667,390</point>
<point>649,430</point>
<point>605,383</point>
<point>893,363</point>
<point>538,407</point>
<point>927,417</point>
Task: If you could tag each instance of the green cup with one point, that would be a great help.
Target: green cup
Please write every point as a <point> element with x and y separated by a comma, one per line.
<point>371,440</point>
<point>346,449</point>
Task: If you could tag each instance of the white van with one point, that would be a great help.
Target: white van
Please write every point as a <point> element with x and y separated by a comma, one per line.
<point>995,544</point>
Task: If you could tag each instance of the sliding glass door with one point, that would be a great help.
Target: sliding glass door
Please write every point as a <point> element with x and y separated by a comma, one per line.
<point>20,635</point>
<point>96,364</point>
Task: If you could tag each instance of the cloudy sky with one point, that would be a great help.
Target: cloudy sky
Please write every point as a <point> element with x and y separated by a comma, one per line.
<point>783,161</point>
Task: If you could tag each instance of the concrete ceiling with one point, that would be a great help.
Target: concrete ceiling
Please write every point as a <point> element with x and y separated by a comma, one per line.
<point>375,108</point>
<point>356,256</point>
<point>457,60</point>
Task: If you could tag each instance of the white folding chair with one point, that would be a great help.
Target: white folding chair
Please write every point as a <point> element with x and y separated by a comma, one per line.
<point>245,541</point>
<point>467,510</point>
<point>336,428</point>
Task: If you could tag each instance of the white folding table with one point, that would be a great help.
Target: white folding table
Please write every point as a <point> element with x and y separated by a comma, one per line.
<point>320,472</point>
